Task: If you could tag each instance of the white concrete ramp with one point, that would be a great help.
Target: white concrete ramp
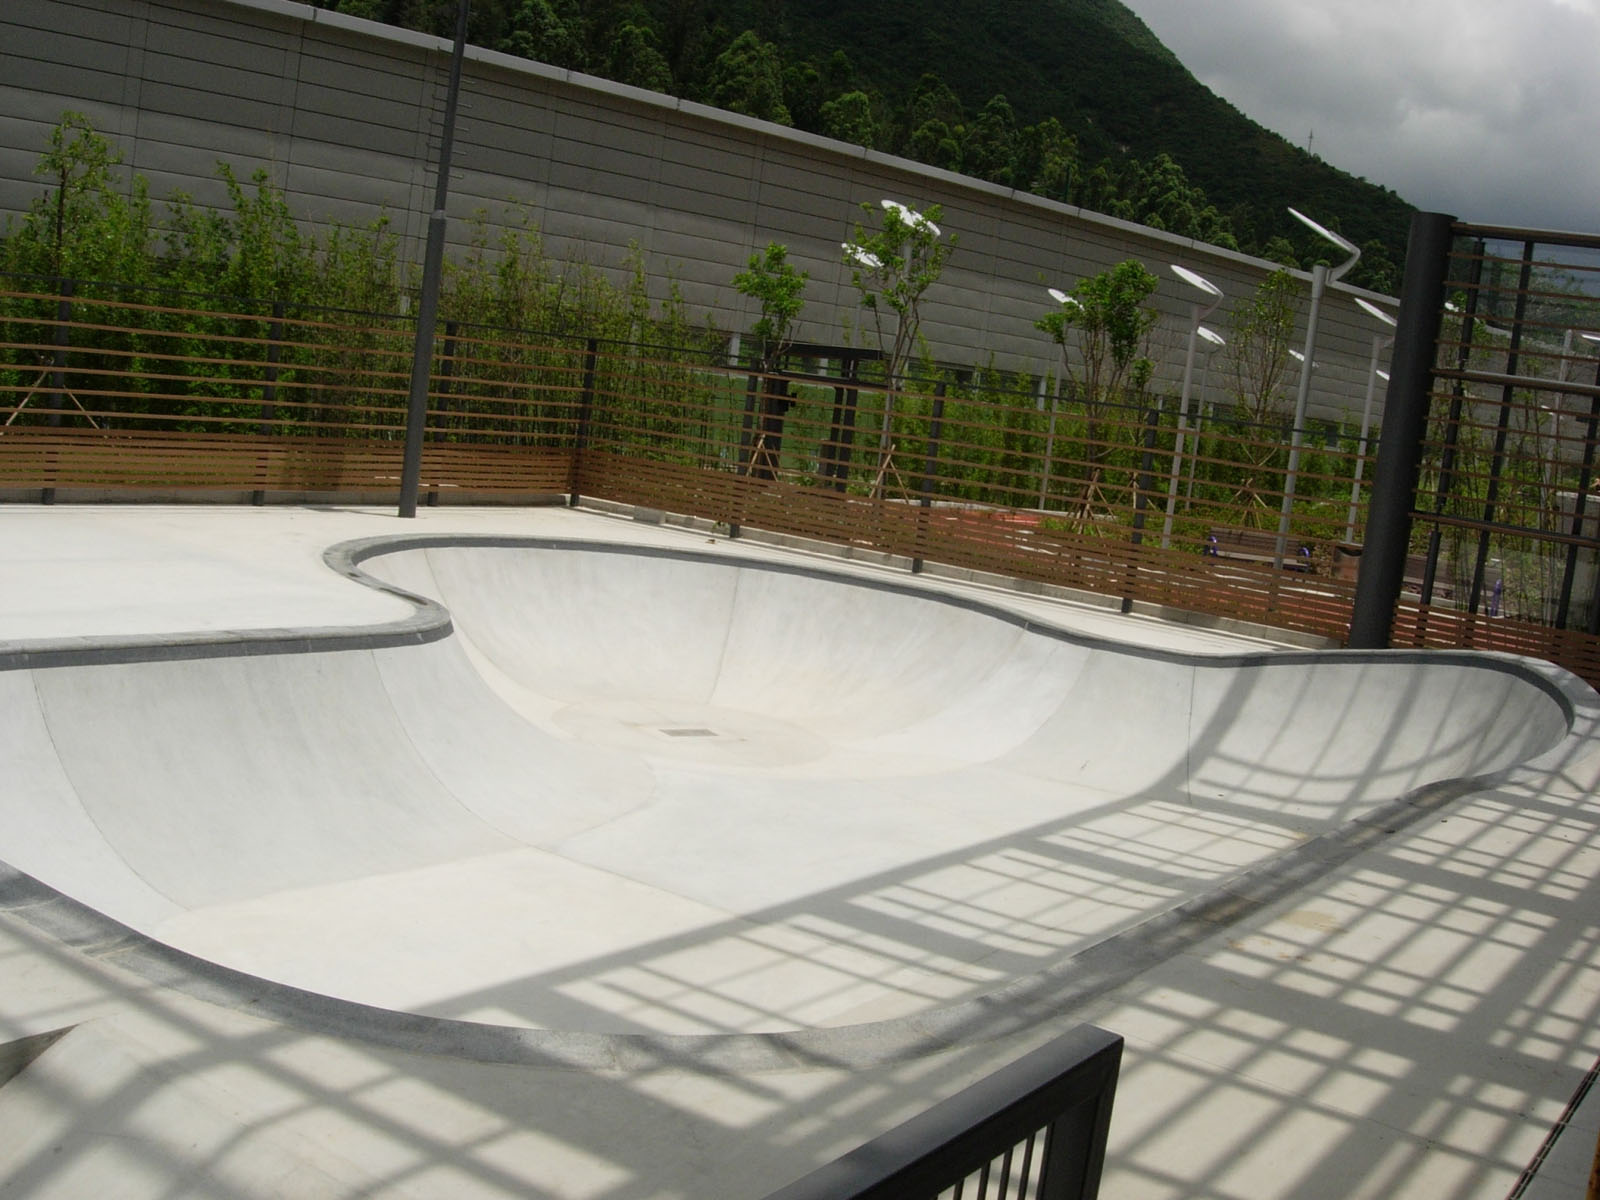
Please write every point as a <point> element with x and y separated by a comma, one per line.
<point>646,791</point>
<point>1341,907</point>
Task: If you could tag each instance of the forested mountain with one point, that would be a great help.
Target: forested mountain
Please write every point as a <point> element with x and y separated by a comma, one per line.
<point>1072,99</point>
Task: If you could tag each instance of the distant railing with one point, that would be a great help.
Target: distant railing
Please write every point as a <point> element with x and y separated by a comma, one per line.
<point>107,393</point>
<point>1501,521</point>
<point>1035,1130</point>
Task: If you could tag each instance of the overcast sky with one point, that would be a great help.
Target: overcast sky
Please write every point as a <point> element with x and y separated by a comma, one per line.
<point>1485,109</point>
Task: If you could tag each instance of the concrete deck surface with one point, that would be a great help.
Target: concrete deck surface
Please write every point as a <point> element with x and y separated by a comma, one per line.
<point>711,859</point>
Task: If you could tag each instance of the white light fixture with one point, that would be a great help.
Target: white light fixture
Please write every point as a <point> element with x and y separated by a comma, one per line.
<point>1194,279</point>
<point>1372,310</point>
<point>911,216</point>
<point>864,258</point>
<point>1329,235</point>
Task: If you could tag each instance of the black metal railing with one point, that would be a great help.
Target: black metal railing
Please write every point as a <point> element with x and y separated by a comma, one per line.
<point>1485,519</point>
<point>1035,1130</point>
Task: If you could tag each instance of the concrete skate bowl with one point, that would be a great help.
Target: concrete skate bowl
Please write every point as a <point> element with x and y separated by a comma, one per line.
<point>592,795</point>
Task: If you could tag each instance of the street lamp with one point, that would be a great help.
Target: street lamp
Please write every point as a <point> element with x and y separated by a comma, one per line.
<point>910,216</point>
<point>1197,314</point>
<point>1214,341</point>
<point>1068,305</point>
<point>1379,341</point>
<point>864,258</point>
<point>1320,278</point>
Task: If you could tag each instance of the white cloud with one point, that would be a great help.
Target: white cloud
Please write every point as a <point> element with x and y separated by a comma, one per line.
<point>1474,107</point>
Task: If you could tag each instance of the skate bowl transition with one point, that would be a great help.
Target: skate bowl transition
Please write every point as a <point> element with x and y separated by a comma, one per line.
<point>589,790</point>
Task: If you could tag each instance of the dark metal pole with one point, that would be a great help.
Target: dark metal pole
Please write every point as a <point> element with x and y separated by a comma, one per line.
<point>1452,429</point>
<point>1508,395</point>
<point>1152,422</point>
<point>432,270</point>
<point>269,388</point>
<point>58,373</point>
<point>591,353</point>
<point>930,465</point>
<point>1579,509</point>
<point>1405,424</point>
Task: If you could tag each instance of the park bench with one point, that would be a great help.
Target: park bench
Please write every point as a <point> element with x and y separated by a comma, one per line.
<point>1256,546</point>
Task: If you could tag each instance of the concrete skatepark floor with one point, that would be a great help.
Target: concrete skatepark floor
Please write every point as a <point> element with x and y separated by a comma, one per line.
<point>702,861</point>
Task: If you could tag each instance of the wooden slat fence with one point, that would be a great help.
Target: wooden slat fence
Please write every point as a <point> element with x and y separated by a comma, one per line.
<point>102,394</point>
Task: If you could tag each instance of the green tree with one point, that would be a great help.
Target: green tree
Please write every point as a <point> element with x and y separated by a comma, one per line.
<point>84,226</point>
<point>892,266</point>
<point>1047,160</point>
<point>803,96</point>
<point>776,286</point>
<point>1257,364</point>
<point>850,118</point>
<point>935,143</point>
<point>539,32</point>
<point>989,149</point>
<point>1280,249</point>
<point>748,78</point>
<point>632,57</point>
<point>771,280</point>
<point>1108,318</point>
<point>1376,270</point>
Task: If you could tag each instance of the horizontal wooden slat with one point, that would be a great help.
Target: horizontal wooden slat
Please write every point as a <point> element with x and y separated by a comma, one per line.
<point>975,477</point>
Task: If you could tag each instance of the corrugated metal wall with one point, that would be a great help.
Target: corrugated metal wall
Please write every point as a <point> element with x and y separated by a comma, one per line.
<point>345,113</point>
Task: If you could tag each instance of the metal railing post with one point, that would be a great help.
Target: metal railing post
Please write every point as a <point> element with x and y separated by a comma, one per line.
<point>1152,422</point>
<point>1405,424</point>
<point>1452,433</point>
<point>58,372</point>
<point>1502,429</point>
<point>580,441</point>
<point>447,364</point>
<point>930,463</point>
<point>269,386</point>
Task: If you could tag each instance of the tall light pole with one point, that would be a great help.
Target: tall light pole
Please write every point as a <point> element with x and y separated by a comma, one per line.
<point>1197,314</point>
<point>432,271</point>
<point>1214,341</point>
<point>1068,306</point>
<point>1321,276</point>
<point>1380,339</point>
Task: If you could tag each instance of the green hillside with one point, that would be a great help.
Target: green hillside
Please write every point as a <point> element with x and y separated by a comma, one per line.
<point>1073,99</point>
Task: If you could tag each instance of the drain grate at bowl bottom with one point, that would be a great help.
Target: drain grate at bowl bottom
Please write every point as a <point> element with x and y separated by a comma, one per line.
<point>695,732</point>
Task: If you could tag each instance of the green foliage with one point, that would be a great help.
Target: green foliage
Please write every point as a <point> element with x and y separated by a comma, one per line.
<point>1047,160</point>
<point>84,225</point>
<point>1257,363</point>
<point>747,78</point>
<point>1111,321</point>
<point>892,265</point>
<point>776,286</point>
<point>538,31</point>
<point>990,150</point>
<point>850,118</point>
<point>193,300</point>
<point>632,57</point>
<point>1257,353</point>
